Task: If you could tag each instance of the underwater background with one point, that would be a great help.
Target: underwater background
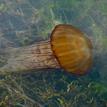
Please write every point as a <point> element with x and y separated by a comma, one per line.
<point>24,22</point>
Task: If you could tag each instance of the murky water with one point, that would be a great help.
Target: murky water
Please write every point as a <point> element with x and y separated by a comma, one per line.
<point>24,22</point>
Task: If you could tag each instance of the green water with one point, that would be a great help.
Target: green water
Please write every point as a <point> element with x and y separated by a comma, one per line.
<point>23,22</point>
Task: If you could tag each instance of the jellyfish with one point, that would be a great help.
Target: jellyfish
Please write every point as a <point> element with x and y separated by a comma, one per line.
<point>67,48</point>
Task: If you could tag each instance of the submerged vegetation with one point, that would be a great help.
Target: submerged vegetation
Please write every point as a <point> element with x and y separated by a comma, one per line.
<point>51,89</point>
<point>23,22</point>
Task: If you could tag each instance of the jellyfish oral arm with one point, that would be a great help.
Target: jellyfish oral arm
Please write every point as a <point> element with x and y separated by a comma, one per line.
<point>33,57</point>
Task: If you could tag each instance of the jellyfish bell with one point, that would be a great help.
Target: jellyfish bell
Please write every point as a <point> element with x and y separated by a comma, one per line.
<point>72,49</point>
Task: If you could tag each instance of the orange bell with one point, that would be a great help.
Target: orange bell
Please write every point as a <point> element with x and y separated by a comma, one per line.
<point>72,49</point>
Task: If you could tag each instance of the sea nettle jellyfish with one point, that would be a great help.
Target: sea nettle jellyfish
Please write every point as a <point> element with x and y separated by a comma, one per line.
<point>68,48</point>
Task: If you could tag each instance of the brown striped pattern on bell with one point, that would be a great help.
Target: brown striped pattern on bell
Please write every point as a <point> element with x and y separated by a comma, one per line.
<point>72,49</point>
